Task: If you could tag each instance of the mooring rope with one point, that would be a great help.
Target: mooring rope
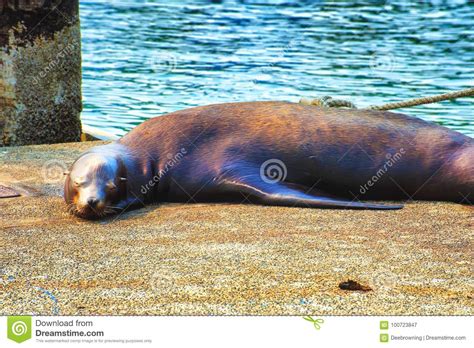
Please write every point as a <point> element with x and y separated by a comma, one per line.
<point>327,101</point>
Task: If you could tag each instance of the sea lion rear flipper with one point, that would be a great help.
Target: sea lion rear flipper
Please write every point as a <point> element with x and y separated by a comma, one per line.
<point>280,193</point>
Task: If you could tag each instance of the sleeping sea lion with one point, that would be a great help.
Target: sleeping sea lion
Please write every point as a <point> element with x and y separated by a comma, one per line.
<point>274,153</point>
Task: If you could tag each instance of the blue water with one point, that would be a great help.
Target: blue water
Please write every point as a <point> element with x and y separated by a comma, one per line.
<point>142,59</point>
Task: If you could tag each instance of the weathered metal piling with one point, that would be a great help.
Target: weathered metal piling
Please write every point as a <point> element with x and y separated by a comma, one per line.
<point>40,72</point>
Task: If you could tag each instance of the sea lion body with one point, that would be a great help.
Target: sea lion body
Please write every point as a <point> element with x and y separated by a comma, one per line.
<point>320,157</point>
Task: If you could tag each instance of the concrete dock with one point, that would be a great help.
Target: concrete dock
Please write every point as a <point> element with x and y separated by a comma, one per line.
<point>223,258</point>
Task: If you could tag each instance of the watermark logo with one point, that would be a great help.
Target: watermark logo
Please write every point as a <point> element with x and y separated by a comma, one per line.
<point>384,325</point>
<point>384,280</point>
<point>316,322</point>
<point>163,63</point>
<point>273,171</point>
<point>267,68</point>
<point>170,163</point>
<point>19,328</point>
<point>382,61</point>
<point>53,171</point>
<point>384,338</point>
<point>61,58</point>
<point>391,160</point>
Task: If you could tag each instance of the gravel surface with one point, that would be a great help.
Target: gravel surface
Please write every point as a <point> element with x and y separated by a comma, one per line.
<point>223,258</point>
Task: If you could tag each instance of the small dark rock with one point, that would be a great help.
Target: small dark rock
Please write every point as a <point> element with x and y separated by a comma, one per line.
<point>352,285</point>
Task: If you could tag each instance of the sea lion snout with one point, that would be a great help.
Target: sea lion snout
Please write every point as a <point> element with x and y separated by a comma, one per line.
<point>92,202</point>
<point>93,196</point>
<point>89,200</point>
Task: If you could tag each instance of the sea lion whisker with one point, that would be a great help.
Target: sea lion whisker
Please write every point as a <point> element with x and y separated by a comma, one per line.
<point>71,208</point>
<point>114,207</point>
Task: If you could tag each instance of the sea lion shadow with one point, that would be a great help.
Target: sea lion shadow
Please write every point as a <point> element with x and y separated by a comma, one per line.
<point>127,214</point>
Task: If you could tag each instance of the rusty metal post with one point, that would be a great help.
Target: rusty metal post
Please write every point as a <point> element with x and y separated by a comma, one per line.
<point>40,72</point>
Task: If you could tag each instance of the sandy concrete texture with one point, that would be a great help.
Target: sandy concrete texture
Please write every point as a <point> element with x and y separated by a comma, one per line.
<point>223,258</point>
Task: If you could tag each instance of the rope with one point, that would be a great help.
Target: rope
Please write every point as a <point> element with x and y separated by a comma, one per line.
<point>327,101</point>
<point>425,100</point>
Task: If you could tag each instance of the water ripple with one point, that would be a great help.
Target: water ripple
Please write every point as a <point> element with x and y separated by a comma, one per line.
<point>142,59</point>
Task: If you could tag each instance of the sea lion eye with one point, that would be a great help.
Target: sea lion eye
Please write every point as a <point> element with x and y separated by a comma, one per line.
<point>78,182</point>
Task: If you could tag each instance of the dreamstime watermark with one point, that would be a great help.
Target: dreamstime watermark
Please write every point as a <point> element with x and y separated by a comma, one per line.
<point>391,160</point>
<point>28,5</point>
<point>316,322</point>
<point>281,54</point>
<point>273,171</point>
<point>384,280</point>
<point>382,61</point>
<point>57,62</point>
<point>53,171</point>
<point>172,161</point>
<point>19,328</point>
<point>163,63</point>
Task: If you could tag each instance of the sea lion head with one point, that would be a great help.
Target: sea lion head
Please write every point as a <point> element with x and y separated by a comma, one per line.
<point>95,185</point>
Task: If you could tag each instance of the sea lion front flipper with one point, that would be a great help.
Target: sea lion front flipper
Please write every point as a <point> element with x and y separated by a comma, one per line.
<point>280,193</point>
